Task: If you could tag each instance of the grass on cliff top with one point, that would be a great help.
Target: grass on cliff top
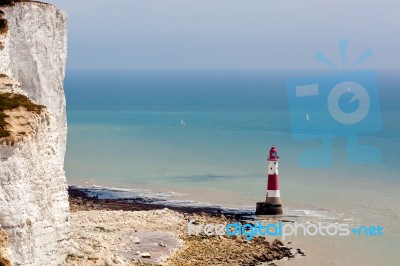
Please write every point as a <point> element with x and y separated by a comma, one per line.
<point>9,101</point>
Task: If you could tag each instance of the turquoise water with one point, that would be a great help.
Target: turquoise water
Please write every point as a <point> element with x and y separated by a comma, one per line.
<point>125,130</point>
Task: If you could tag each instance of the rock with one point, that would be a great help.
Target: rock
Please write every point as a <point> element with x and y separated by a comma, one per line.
<point>145,255</point>
<point>161,244</point>
<point>277,242</point>
<point>136,240</point>
<point>118,260</point>
<point>300,252</point>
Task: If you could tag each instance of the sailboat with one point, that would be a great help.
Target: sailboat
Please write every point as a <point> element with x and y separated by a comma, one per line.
<point>183,123</point>
<point>307,117</point>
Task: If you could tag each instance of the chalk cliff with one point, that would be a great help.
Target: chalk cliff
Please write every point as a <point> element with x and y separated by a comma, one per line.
<point>34,210</point>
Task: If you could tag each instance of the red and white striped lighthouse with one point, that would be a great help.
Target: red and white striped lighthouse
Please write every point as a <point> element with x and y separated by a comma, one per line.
<point>272,204</point>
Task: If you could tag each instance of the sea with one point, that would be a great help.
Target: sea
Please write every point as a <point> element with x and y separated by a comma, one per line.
<point>201,137</point>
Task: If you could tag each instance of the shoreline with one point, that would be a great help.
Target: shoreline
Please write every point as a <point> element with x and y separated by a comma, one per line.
<point>82,200</point>
<point>114,226</point>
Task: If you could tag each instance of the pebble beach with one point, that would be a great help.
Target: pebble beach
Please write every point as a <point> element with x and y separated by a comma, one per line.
<point>109,232</point>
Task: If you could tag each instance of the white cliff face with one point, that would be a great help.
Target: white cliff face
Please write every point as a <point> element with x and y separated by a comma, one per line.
<point>34,210</point>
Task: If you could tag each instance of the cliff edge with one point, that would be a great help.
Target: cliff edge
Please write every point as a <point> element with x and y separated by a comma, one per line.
<point>34,210</point>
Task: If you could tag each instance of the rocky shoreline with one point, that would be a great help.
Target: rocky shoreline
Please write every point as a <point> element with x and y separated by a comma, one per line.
<point>80,200</point>
<point>122,232</point>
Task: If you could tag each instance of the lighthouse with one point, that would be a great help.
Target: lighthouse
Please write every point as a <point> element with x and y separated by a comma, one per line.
<point>272,204</point>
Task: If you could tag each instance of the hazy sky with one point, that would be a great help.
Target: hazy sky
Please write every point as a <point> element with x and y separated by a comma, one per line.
<point>229,34</point>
